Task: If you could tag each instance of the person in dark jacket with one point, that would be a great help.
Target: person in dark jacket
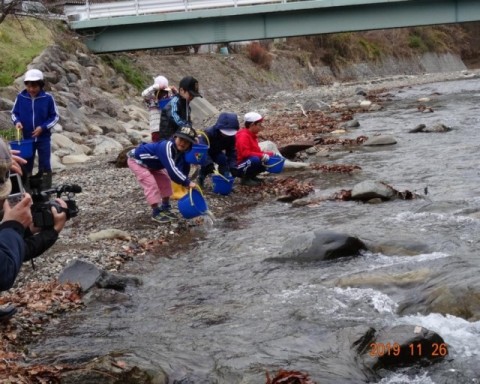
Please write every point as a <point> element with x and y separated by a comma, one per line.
<point>221,140</point>
<point>176,113</point>
<point>19,240</point>
<point>35,113</point>
<point>156,165</point>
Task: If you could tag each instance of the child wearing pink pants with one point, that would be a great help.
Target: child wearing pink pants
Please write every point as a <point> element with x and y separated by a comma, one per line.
<point>157,164</point>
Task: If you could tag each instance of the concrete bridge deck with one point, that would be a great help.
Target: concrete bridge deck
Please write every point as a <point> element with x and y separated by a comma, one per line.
<point>267,19</point>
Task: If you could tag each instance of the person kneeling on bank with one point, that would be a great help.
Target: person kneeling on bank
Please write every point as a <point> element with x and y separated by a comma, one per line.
<point>156,165</point>
<point>250,158</point>
<point>221,140</point>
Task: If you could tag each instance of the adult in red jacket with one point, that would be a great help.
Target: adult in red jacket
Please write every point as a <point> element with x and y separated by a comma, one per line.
<point>250,158</point>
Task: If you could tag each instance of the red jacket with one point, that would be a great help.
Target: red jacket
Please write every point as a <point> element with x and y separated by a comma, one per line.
<point>246,144</point>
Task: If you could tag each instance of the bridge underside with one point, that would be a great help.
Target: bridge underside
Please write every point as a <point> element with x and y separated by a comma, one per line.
<point>266,22</point>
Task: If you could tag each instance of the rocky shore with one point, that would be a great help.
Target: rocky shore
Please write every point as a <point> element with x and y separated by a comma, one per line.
<point>86,150</point>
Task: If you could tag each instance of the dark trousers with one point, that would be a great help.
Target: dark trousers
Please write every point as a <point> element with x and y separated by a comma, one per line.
<point>250,167</point>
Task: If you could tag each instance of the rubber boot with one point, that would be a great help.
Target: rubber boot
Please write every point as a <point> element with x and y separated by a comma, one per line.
<point>247,181</point>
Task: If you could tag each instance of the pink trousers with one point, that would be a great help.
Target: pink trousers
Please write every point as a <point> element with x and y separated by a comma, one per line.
<point>156,184</point>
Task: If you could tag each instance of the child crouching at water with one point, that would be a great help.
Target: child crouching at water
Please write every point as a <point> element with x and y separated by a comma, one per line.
<point>156,165</point>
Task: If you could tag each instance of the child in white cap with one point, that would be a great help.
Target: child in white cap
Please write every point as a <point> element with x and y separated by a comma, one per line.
<point>35,113</point>
<point>155,96</point>
<point>250,158</point>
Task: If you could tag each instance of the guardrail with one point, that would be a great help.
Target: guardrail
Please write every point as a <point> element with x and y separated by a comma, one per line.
<point>143,7</point>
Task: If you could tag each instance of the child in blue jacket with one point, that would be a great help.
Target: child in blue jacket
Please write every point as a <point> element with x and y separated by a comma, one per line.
<point>221,138</point>
<point>35,113</point>
<point>157,164</point>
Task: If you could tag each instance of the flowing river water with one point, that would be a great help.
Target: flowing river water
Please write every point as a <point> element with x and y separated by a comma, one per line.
<point>222,313</point>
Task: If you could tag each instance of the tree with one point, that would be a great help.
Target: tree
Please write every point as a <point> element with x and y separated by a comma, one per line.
<point>8,7</point>
<point>27,8</point>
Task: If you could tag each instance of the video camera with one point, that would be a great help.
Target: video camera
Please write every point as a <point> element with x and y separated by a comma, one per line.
<point>41,208</point>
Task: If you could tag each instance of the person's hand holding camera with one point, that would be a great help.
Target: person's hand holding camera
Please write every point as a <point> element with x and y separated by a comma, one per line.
<point>21,212</point>
<point>59,218</point>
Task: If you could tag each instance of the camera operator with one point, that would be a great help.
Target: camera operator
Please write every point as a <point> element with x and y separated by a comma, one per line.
<point>19,240</point>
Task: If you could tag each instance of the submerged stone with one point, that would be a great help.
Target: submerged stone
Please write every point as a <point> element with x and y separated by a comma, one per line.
<point>319,245</point>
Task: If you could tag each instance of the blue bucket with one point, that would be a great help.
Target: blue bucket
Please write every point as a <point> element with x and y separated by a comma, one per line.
<point>222,185</point>
<point>197,154</point>
<point>192,204</point>
<point>25,147</point>
<point>275,164</point>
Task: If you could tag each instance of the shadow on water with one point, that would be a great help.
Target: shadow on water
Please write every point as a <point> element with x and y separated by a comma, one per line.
<point>220,313</point>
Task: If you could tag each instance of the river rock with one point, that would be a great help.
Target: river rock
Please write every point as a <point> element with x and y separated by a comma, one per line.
<point>437,128</point>
<point>400,346</point>
<point>294,165</point>
<point>109,233</point>
<point>289,151</point>
<point>318,246</point>
<point>88,276</point>
<point>75,159</point>
<point>380,140</point>
<point>370,189</point>
<point>105,145</point>
<point>81,272</point>
<point>457,295</point>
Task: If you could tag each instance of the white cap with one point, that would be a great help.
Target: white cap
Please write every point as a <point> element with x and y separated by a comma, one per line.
<point>229,132</point>
<point>252,117</point>
<point>161,81</point>
<point>33,75</point>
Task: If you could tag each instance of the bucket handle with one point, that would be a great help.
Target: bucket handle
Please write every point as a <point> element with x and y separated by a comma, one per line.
<point>190,194</point>
<point>273,165</point>
<point>206,137</point>
<point>219,174</point>
<point>18,135</point>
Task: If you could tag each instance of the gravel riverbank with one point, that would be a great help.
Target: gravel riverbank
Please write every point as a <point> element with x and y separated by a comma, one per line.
<point>111,199</point>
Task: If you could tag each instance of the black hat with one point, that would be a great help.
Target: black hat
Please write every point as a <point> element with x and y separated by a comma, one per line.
<point>187,133</point>
<point>190,84</point>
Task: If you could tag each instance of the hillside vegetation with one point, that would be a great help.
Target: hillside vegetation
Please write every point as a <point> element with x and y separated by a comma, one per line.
<point>22,39</point>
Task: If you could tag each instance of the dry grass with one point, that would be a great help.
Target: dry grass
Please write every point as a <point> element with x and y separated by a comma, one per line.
<point>336,50</point>
<point>21,40</point>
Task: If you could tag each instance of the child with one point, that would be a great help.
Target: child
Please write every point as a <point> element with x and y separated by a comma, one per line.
<point>250,158</point>
<point>176,113</point>
<point>154,96</point>
<point>35,113</point>
<point>221,138</point>
<point>156,164</point>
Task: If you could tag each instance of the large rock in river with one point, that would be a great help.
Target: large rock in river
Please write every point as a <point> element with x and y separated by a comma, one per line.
<point>400,346</point>
<point>319,245</point>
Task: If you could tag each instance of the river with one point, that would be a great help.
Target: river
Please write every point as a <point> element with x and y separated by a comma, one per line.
<point>222,313</point>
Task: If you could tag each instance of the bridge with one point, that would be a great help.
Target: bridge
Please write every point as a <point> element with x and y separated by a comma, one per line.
<point>148,24</point>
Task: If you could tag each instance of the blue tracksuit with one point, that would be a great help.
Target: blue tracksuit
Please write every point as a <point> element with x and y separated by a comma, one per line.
<point>164,155</point>
<point>40,111</point>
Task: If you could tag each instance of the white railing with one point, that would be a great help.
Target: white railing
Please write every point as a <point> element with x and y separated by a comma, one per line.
<point>143,7</point>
